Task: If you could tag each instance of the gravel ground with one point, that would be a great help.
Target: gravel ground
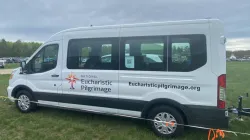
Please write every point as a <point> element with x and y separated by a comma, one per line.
<point>5,71</point>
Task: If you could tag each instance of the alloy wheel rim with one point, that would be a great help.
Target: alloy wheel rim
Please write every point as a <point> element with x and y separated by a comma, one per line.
<point>24,102</point>
<point>165,123</point>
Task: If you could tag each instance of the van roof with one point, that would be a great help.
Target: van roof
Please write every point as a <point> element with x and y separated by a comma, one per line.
<point>196,21</point>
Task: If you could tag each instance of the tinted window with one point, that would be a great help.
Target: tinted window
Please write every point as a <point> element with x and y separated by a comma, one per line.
<point>93,54</point>
<point>186,52</point>
<point>143,53</point>
<point>180,52</point>
<point>106,53</point>
<point>45,59</point>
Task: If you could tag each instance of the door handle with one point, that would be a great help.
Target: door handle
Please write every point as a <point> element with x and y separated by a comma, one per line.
<point>54,75</point>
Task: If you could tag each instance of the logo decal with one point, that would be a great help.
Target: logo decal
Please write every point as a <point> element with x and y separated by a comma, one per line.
<point>72,80</point>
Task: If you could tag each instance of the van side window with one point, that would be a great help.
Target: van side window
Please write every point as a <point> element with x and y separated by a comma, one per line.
<point>106,53</point>
<point>93,54</point>
<point>181,53</point>
<point>153,52</point>
<point>186,52</point>
<point>143,53</point>
<point>84,56</point>
<point>45,59</point>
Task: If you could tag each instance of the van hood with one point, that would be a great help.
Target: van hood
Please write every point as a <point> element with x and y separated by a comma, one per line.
<point>16,70</point>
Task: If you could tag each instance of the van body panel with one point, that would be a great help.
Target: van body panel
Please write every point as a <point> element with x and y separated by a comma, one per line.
<point>218,48</point>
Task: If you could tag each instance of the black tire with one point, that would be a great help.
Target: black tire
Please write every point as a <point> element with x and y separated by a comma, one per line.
<point>31,106</point>
<point>177,116</point>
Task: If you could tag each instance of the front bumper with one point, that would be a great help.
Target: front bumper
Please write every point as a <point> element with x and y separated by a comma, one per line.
<point>9,91</point>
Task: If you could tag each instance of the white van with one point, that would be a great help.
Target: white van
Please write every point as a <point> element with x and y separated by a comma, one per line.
<point>2,63</point>
<point>172,71</point>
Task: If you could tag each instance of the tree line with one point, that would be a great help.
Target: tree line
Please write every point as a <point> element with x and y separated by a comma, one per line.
<point>239,54</point>
<point>17,48</point>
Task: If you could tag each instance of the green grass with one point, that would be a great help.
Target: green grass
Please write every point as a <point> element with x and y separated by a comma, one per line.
<point>48,123</point>
<point>11,65</point>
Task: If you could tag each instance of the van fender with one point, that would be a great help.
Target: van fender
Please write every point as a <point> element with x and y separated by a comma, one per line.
<point>21,87</point>
<point>182,109</point>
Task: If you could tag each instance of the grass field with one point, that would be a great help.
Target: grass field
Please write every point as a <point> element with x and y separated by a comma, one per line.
<point>50,123</point>
<point>11,65</point>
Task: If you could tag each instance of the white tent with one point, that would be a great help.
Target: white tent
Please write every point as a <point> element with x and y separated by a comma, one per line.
<point>232,57</point>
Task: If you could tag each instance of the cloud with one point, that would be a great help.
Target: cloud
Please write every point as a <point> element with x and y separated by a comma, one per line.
<point>38,20</point>
<point>238,44</point>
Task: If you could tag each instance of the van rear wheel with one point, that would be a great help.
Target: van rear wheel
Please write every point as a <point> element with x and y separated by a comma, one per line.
<point>164,120</point>
<point>24,102</point>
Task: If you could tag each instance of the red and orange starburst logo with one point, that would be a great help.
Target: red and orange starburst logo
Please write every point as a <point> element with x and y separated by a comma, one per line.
<point>72,80</point>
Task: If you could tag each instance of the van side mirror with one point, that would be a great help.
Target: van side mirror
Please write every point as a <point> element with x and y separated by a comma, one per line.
<point>23,67</point>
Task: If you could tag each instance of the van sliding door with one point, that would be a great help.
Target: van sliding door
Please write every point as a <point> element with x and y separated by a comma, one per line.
<point>90,73</point>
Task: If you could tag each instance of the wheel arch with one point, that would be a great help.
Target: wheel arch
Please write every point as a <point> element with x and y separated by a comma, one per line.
<point>21,87</point>
<point>168,102</point>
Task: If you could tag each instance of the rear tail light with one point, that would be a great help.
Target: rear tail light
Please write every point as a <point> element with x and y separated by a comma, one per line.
<point>221,99</point>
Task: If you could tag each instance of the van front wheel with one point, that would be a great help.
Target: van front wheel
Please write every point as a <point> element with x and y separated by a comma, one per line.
<point>23,102</point>
<point>166,121</point>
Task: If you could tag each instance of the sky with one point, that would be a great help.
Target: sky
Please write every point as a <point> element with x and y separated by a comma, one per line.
<point>37,20</point>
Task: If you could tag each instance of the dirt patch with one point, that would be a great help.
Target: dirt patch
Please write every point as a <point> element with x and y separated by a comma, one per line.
<point>5,71</point>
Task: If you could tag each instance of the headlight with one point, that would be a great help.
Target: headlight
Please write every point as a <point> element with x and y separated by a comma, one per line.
<point>11,75</point>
